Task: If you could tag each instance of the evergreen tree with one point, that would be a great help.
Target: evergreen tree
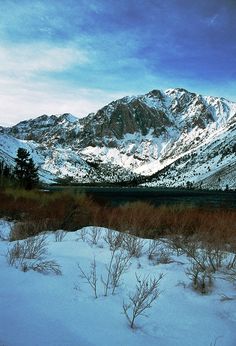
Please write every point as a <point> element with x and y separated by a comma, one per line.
<point>25,170</point>
<point>6,176</point>
<point>31,175</point>
<point>1,172</point>
<point>6,172</point>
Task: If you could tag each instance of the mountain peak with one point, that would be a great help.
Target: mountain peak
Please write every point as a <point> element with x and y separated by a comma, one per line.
<point>155,93</point>
<point>67,117</point>
<point>176,134</point>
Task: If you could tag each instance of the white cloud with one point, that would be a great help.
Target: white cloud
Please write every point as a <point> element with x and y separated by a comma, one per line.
<point>26,90</point>
<point>28,59</point>
<point>24,100</point>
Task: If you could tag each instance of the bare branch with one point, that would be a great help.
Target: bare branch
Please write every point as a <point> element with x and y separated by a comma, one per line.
<point>147,291</point>
<point>91,277</point>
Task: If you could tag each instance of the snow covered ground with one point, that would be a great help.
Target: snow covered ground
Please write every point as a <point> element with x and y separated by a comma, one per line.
<point>60,310</point>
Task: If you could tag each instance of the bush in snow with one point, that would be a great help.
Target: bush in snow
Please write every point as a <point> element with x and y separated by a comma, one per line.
<point>114,239</point>
<point>204,254</point>
<point>157,253</point>
<point>133,245</point>
<point>152,251</point>
<point>59,235</point>
<point>205,260</point>
<point>42,266</point>
<point>202,278</point>
<point>90,277</point>
<point>147,291</point>
<point>163,256</point>
<point>31,248</point>
<point>94,236</point>
<point>30,254</point>
<point>82,235</point>
<point>119,263</point>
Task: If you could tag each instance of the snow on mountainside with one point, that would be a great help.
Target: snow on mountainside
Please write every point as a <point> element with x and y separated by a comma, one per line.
<point>172,136</point>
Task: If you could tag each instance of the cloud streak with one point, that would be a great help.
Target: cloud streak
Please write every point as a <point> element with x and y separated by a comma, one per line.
<point>26,100</point>
<point>36,58</point>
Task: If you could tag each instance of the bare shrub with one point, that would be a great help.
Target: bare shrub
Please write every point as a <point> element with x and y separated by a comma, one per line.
<point>202,279</point>
<point>133,245</point>
<point>119,263</point>
<point>119,267</point>
<point>152,249</point>
<point>147,291</point>
<point>231,261</point>
<point>107,280</point>
<point>114,239</point>
<point>94,236</point>
<point>205,255</point>
<point>59,235</point>
<point>35,247</point>
<point>30,254</point>
<point>14,254</point>
<point>176,243</point>
<point>82,235</point>
<point>42,266</point>
<point>31,248</point>
<point>163,256</point>
<point>205,260</point>
<point>216,257</point>
<point>91,277</point>
<point>157,253</point>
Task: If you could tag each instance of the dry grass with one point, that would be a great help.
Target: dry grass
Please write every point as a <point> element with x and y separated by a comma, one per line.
<point>38,211</point>
<point>214,226</point>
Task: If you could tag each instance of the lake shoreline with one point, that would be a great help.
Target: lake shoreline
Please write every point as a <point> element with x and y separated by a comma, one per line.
<point>116,195</point>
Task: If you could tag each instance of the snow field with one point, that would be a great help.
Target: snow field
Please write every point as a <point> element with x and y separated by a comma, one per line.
<point>37,309</point>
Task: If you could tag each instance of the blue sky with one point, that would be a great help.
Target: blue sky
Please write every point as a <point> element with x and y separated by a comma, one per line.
<point>75,56</point>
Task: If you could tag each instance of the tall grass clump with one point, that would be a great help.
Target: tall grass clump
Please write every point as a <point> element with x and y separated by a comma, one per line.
<point>37,211</point>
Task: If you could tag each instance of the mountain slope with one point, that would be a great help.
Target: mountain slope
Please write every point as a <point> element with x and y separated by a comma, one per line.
<point>172,136</point>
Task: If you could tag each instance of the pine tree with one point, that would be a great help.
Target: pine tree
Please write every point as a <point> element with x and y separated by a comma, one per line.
<point>31,175</point>
<point>6,176</point>
<point>25,170</point>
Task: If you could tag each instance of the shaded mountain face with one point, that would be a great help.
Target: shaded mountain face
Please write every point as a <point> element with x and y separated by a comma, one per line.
<point>172,136</point>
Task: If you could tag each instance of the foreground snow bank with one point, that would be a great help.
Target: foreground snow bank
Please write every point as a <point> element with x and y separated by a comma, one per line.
<point>38,309</point>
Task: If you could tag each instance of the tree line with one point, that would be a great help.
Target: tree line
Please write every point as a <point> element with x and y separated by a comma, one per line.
<point>24,173</point>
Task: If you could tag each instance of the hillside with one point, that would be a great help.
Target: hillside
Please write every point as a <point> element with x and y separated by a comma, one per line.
<point>172,138</point>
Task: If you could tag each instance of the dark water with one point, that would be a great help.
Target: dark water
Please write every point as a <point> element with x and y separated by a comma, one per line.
<point>120,195</point>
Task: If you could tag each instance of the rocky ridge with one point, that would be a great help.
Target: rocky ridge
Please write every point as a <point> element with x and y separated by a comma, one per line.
<point>162,138</point>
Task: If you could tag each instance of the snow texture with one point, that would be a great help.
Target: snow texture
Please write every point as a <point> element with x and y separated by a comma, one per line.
<point>37,309</point>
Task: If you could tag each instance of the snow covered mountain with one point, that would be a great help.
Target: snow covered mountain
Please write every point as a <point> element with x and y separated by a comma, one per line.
<point>162,138</point>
